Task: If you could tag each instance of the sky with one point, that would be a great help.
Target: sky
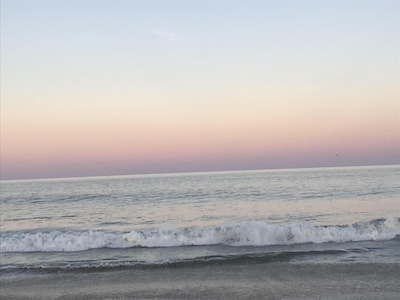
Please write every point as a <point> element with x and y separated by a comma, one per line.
<point>113,87</point>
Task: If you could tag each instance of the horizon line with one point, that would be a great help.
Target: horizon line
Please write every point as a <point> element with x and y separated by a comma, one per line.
<point>193,172</point>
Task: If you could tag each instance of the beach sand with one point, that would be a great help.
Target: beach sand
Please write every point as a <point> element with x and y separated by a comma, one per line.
<point>213,281</point>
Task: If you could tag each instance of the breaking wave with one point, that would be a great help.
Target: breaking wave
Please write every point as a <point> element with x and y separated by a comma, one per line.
<point>251,233</point>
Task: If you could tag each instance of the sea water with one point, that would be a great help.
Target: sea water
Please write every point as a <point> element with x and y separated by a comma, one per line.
<point>324,215</point>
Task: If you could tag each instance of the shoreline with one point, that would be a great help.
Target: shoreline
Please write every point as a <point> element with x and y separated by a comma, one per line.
<point>214,281</point>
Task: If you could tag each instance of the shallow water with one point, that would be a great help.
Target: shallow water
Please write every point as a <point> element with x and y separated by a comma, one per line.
<point>215,281</point>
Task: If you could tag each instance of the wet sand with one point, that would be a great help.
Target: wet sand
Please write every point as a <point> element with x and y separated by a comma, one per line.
<point>249,281</point>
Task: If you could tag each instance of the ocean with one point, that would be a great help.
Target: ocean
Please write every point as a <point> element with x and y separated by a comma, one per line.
<point>266,219</point>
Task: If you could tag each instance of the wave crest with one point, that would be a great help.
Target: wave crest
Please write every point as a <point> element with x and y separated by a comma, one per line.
<point>251,233</point>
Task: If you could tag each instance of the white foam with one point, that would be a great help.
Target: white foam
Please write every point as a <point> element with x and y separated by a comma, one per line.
<point>252,233</point>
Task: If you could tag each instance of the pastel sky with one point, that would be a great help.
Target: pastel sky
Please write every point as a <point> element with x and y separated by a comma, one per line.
<point>112,87</point>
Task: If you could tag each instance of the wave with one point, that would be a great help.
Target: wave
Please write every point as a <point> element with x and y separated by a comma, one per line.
<point>251,233</point>
<point>241,258</point>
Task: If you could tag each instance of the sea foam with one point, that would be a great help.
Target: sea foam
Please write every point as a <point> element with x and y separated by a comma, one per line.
<point>250,233</point>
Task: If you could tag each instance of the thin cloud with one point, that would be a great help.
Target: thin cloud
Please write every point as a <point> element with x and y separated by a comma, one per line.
<point>170,35</point>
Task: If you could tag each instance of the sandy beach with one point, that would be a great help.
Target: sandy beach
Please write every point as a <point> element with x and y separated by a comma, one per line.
<point>249,281</point>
